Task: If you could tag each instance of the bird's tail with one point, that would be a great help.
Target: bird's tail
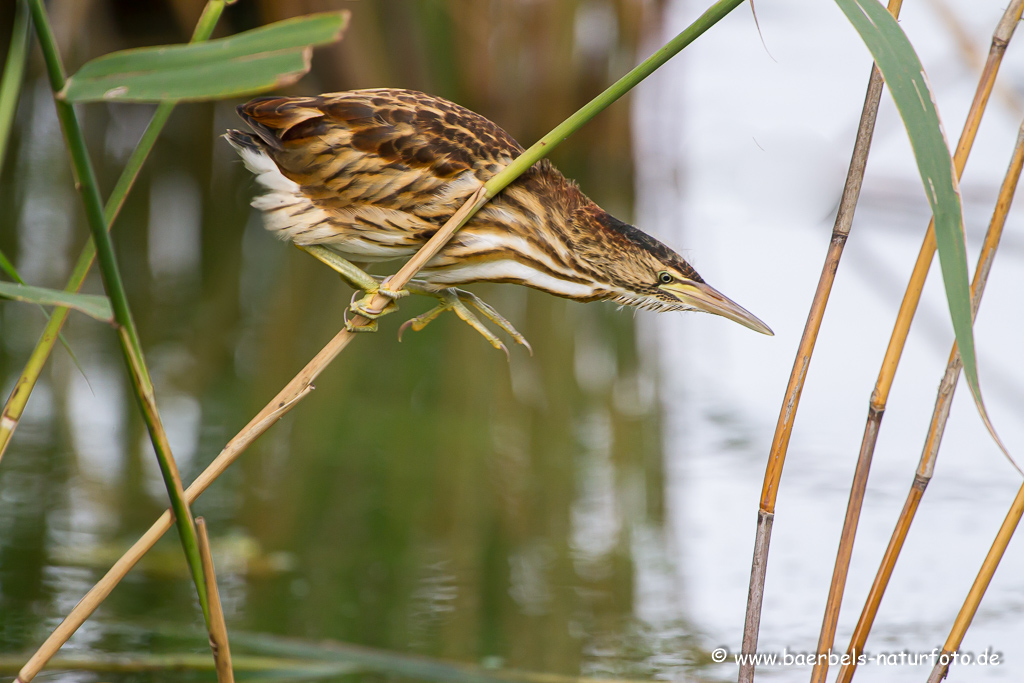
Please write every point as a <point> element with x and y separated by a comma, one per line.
<point>253,153</point>
<point>274,118</point>
<point>242,141</point>
<point>287,212</point>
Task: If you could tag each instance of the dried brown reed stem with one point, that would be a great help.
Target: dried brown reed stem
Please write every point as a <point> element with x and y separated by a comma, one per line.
<point>784,428</point>
<point>879,396</point>
<point>971,52</point>
<point>940,414</point>
<point>218,629</point>
<point>286,399</point>
<point>832,607</point>
<point>970,606</point>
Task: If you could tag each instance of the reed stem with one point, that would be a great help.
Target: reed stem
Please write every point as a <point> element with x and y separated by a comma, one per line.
<point>14,74</point>
<point>218,630</point>
<point>126,332</point>
<point>797,377</point>
<point>876,408</point>
<point>978,588</point>
<point>943,402</point>
<point>16,402</point>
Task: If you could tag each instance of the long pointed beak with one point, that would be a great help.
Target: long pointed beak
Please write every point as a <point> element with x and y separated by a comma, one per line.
<point>706,298</point>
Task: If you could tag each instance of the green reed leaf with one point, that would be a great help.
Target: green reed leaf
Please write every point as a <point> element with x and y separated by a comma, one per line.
<point>244,64</point>
<point>91,304</point>
<point>912,94</point>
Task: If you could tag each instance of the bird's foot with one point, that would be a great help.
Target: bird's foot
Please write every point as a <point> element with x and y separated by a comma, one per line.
<point>363,282</point>
<point>364,306</point>
<point>370,314</point>
<point>452,299</point>
<point>460,301</point>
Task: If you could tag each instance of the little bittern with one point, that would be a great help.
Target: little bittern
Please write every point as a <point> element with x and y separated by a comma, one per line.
<point>372,174</point>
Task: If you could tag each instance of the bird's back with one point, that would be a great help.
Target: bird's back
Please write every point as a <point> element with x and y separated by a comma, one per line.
<point>385,147</point>
<point>373,173</point>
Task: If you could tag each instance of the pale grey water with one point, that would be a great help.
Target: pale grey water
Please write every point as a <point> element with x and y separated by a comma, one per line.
<point>748,181</point>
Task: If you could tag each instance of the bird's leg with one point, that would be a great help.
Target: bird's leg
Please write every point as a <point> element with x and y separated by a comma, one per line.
<point>452,299</point>
<point>358,279</point>
<point>459,301</point>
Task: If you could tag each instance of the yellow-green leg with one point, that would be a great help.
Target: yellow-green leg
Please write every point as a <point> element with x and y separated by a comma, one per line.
<point>358,279</point>
<point>459,301</point>
<point>451,299</point>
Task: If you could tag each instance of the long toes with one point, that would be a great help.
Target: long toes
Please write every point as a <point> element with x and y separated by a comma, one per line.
<point>416,324</point>
<point>455,300</point>
<point>512,332</point>
<point>368,311</point>
<point>403,327</point>
<point>520,339</point>
<point>492,314</point>
<point>422,320</point>
<point>467,315</point>
<point>392,293</point>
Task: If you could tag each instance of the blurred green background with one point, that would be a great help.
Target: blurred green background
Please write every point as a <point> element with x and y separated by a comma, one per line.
<point>428,497</point>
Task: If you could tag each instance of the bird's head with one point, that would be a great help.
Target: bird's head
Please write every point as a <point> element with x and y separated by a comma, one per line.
<point>641,271</point>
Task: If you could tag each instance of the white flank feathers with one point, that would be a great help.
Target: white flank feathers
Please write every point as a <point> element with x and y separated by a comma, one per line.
<point>286,210</point>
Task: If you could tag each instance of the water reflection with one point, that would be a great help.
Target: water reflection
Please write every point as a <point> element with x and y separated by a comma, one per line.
<point>427,497</point>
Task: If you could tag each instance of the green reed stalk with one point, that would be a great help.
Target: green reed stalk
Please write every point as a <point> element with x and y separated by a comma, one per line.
<point>18,399</point>
<point>127,333</point>
<point>10,90</point>
<point>14,74</point>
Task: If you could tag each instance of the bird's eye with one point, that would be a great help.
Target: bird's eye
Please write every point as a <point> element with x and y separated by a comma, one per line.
<point>664,277</point>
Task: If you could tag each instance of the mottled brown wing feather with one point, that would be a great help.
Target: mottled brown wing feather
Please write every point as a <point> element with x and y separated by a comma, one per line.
<point>378,145</point>
<point>390,166</point>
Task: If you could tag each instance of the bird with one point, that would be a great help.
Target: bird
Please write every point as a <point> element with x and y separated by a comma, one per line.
<point>367,176</point>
